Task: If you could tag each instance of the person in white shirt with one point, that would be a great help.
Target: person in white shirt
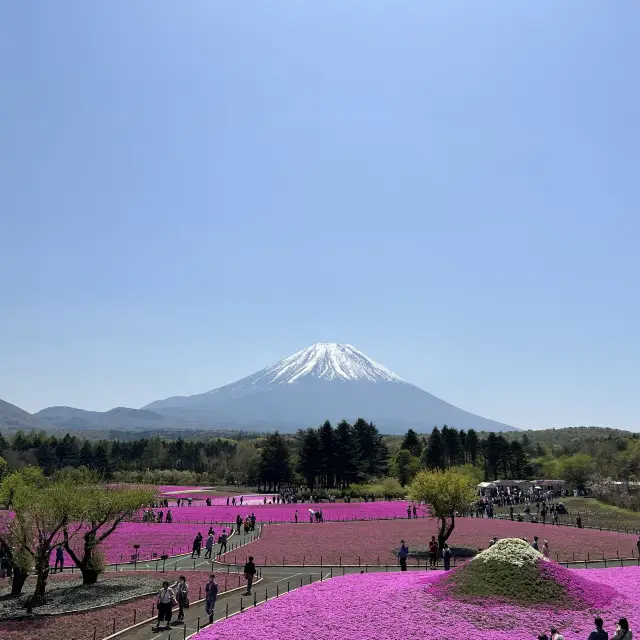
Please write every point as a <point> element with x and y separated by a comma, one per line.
<point>166,598</point>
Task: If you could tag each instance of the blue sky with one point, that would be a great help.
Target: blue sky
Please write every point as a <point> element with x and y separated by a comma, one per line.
<point>191,191</point>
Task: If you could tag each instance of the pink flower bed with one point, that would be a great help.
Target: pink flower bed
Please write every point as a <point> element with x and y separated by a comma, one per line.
<point>172,539</point>
<point>282,513</point>
<point>374,541</point>
<point>397,606</point>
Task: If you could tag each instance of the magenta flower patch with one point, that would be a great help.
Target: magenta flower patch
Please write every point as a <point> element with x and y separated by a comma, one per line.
<point>398,606</point>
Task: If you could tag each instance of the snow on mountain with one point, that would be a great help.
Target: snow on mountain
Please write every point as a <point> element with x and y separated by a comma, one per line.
<point>326,381</point>
<point>328,361</point>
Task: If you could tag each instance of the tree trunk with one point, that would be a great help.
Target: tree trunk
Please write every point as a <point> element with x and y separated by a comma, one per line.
<point>41,587</point>
<point>445,531</point>
<point>89,574</point>
<point>441,533</point>
<point>18,580</point>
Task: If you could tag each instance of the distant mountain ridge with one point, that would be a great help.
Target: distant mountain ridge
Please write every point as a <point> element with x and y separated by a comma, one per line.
<point>16,418</point>
<point>325,381</point>
<point>120,417</point>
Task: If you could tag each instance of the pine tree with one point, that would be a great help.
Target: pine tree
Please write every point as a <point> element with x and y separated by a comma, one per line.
<point>471,446</point>
<point>327,455</point>
<point>433,455</point>
<point>346,455</point>
<point>412,443</point>
<point>309,456</point>
<point>86,455</point>
<point>274,462</point>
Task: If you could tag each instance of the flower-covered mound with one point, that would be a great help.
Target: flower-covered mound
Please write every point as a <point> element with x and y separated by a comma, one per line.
<point>512,570</point>
<point>405,606</point>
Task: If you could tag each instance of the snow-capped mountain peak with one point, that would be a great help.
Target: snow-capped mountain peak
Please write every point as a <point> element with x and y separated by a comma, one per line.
<point>326,381</point>
<point>326,361</point>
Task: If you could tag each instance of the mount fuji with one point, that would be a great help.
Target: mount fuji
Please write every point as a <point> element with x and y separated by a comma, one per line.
<point>326,381</point>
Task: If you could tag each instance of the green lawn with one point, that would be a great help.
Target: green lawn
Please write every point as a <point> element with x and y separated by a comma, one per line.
<point>593,513</point>
<point>599,511</point>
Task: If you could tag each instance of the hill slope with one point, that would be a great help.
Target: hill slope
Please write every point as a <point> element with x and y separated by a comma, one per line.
<point>118,418</point>
<point>16,418</point>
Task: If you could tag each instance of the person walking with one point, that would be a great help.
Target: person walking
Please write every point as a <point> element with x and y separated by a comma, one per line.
<point>403,554</point>
<point>546,552</point>
<point>211,595</point>
<point>223,543</point>
<point>194,547</point>
<point>638,545</point>
<point>622,630</point>
<point>59,560</point>
<point>446,557</point>
<point>249,573</point>
<point>166,598</point>
<point>209,546</point>
<point>181,589</point>
<point>433,552</point>
<point>598,633</point>
<point>534,544</point>
<point>238,523</point>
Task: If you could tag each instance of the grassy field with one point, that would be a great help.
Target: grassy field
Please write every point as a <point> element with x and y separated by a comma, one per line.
<point>599,511</point>
<point>593,513</point>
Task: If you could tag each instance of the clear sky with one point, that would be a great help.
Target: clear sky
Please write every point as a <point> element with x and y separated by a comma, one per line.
<point>190,191</point>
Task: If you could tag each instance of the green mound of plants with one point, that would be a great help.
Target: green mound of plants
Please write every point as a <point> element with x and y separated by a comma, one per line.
<point>510,570</point>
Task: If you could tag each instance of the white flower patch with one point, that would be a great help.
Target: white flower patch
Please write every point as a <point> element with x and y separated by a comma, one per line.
<point>511,550</point>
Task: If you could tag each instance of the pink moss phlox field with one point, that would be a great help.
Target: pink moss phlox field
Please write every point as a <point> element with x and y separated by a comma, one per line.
<point>402,606</point>
<point>171,539</point>
<point>348,541</point>
<point>577,584</point>
<point>278,513</point>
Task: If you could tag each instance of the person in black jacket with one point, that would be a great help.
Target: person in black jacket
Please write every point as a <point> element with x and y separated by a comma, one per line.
<point>249,573</point>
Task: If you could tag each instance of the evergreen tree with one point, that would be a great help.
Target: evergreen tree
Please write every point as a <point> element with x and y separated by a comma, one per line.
<point>274,462</point>
<point>471,446</point>
<point>346,455</point>
<point>412,443</point>
<point>327,455</point>
<point>504,455</point>
<point>518,461</point>
<point>433,455</point>
<point>451,445</point>
<point>309,456</point>
<point>86,455</point>
<point>491,456</point>
<point>102,460</point>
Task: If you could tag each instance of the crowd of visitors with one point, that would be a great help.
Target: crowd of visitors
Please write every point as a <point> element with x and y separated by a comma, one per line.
<point>622,631</point>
